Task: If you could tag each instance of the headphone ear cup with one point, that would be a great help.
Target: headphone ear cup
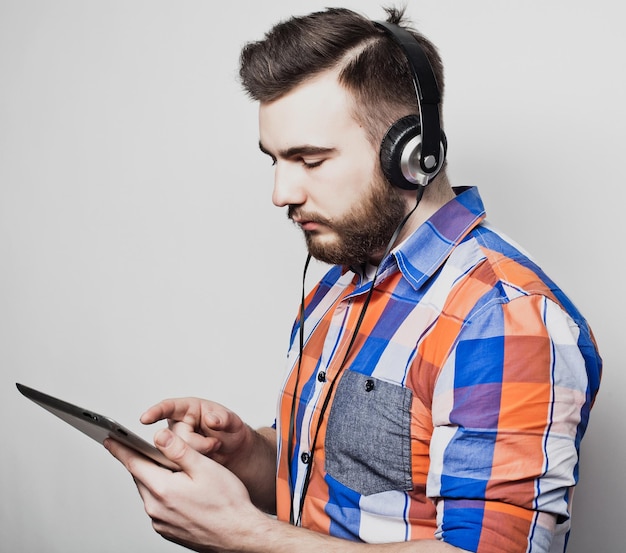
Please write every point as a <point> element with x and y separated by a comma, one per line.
<point>392,150</point>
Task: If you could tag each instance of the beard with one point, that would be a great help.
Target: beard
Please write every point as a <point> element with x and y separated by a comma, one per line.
<point>363,232</point>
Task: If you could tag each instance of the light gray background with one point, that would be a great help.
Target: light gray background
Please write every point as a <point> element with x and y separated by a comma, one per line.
<point>141,257</point>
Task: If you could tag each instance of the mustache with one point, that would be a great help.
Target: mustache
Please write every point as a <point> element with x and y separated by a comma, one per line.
<point>294,212</point>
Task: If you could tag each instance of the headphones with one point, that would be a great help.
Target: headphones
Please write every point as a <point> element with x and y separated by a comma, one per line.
<point>413,149</point>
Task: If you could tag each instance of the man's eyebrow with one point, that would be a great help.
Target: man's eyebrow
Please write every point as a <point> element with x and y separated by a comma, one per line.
<point>294,151</point>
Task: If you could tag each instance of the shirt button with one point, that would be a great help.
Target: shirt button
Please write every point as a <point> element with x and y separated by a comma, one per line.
<point>305,458</point>
<point>369,385</point>
<point>321,376</point>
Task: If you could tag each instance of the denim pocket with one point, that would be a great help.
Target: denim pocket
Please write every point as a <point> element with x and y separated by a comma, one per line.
<point>368,437</point>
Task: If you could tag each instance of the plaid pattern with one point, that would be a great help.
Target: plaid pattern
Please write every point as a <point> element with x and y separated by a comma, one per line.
<point>459,411</point>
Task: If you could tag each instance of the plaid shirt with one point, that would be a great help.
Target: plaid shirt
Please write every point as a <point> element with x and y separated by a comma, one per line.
<point>459,410</point>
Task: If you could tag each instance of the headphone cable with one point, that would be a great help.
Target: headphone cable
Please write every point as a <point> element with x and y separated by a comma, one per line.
<point>297,521</point>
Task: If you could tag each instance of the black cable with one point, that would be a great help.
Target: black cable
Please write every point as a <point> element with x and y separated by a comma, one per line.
<point>292,518</point>
<point>293,401</point>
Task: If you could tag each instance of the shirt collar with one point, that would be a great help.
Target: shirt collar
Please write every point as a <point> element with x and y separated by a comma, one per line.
<point>423,252</point>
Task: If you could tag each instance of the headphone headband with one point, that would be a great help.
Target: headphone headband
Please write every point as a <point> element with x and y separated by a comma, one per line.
<point>427,95</point>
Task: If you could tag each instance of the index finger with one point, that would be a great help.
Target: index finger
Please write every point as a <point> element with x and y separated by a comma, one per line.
<point>178,409</point>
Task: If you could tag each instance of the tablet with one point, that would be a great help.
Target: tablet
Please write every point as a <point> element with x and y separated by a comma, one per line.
<point>96,426</point>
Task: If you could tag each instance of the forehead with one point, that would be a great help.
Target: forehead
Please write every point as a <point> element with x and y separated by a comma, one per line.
<point>315,112</point>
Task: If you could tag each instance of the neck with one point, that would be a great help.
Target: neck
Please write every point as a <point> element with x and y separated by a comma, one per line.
<point>435,196</point>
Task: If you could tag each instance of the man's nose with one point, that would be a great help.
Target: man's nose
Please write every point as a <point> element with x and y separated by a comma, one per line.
<point>288,186</point>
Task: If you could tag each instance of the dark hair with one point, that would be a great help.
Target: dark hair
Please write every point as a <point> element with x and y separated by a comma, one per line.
<point>371,65</point>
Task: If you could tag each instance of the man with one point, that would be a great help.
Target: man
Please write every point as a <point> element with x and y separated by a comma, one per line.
<point>439,383</point>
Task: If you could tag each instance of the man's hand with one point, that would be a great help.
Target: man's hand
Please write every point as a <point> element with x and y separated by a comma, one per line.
<point>207,427</point>
<point>218,433</point>
<point>202,506</point>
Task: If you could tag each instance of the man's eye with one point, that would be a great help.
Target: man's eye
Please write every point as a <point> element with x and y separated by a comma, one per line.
<point>312,164</point>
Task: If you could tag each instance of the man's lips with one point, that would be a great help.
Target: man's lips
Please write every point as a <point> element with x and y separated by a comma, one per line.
<point>306,224</point>
<point>309,225</point>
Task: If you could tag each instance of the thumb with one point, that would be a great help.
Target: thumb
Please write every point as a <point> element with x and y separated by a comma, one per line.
<point>177,450</point>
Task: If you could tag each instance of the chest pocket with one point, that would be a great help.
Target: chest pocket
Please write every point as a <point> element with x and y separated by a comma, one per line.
<point>368,437</point>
